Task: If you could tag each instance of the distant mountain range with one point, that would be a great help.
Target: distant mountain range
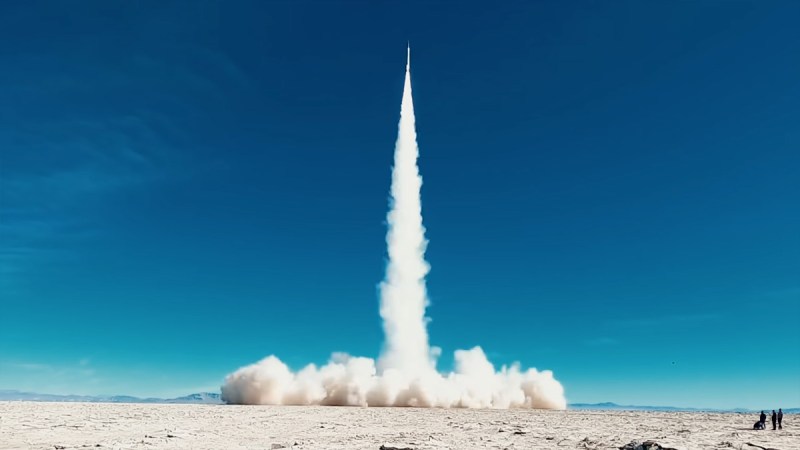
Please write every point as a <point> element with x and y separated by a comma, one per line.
<point>209,398</point>
<point>213,398</point>
<point>613,406</point>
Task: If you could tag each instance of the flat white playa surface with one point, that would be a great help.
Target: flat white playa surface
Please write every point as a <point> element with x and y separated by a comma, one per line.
<point>32,425</point>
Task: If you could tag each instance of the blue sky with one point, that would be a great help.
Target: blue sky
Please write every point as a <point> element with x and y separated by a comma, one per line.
<point>611,191</point>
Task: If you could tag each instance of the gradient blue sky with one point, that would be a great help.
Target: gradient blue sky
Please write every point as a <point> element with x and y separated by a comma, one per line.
<point>612,190</point>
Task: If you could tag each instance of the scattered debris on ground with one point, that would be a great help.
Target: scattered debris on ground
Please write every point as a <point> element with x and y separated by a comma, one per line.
<point>646,445</point>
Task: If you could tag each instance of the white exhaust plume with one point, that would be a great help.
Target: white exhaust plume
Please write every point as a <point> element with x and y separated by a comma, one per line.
<point>403,293</point>
<point>406,372</point>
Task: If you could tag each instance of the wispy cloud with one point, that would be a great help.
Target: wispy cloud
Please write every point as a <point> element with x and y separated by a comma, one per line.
<point>81,128</point>
<point>36,367</point>
<point>40,197</point>
<point>68,371</point>
<point>50,169</point>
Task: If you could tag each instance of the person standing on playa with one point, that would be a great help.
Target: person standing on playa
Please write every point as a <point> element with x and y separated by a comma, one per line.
<point>774,420</point>
<point>763,418</point>
<point>780,418</point>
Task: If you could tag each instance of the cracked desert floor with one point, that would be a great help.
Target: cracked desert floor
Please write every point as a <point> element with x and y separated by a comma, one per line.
<point>32,425</point>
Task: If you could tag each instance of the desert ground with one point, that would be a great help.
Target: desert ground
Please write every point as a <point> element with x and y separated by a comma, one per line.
<point>34,425</point>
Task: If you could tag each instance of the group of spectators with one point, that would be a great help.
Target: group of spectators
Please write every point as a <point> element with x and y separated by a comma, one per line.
<point>777,420</point>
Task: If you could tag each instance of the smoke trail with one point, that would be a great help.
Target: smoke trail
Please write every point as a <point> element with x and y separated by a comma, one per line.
<point>405,374</point>
<point>403,293</point>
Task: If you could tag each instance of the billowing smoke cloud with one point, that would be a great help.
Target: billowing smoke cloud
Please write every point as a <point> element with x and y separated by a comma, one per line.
<point>405,374</point>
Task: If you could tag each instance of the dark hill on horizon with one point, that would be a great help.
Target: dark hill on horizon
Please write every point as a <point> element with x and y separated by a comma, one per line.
<point>212,398</point>
<point>209,398</point>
